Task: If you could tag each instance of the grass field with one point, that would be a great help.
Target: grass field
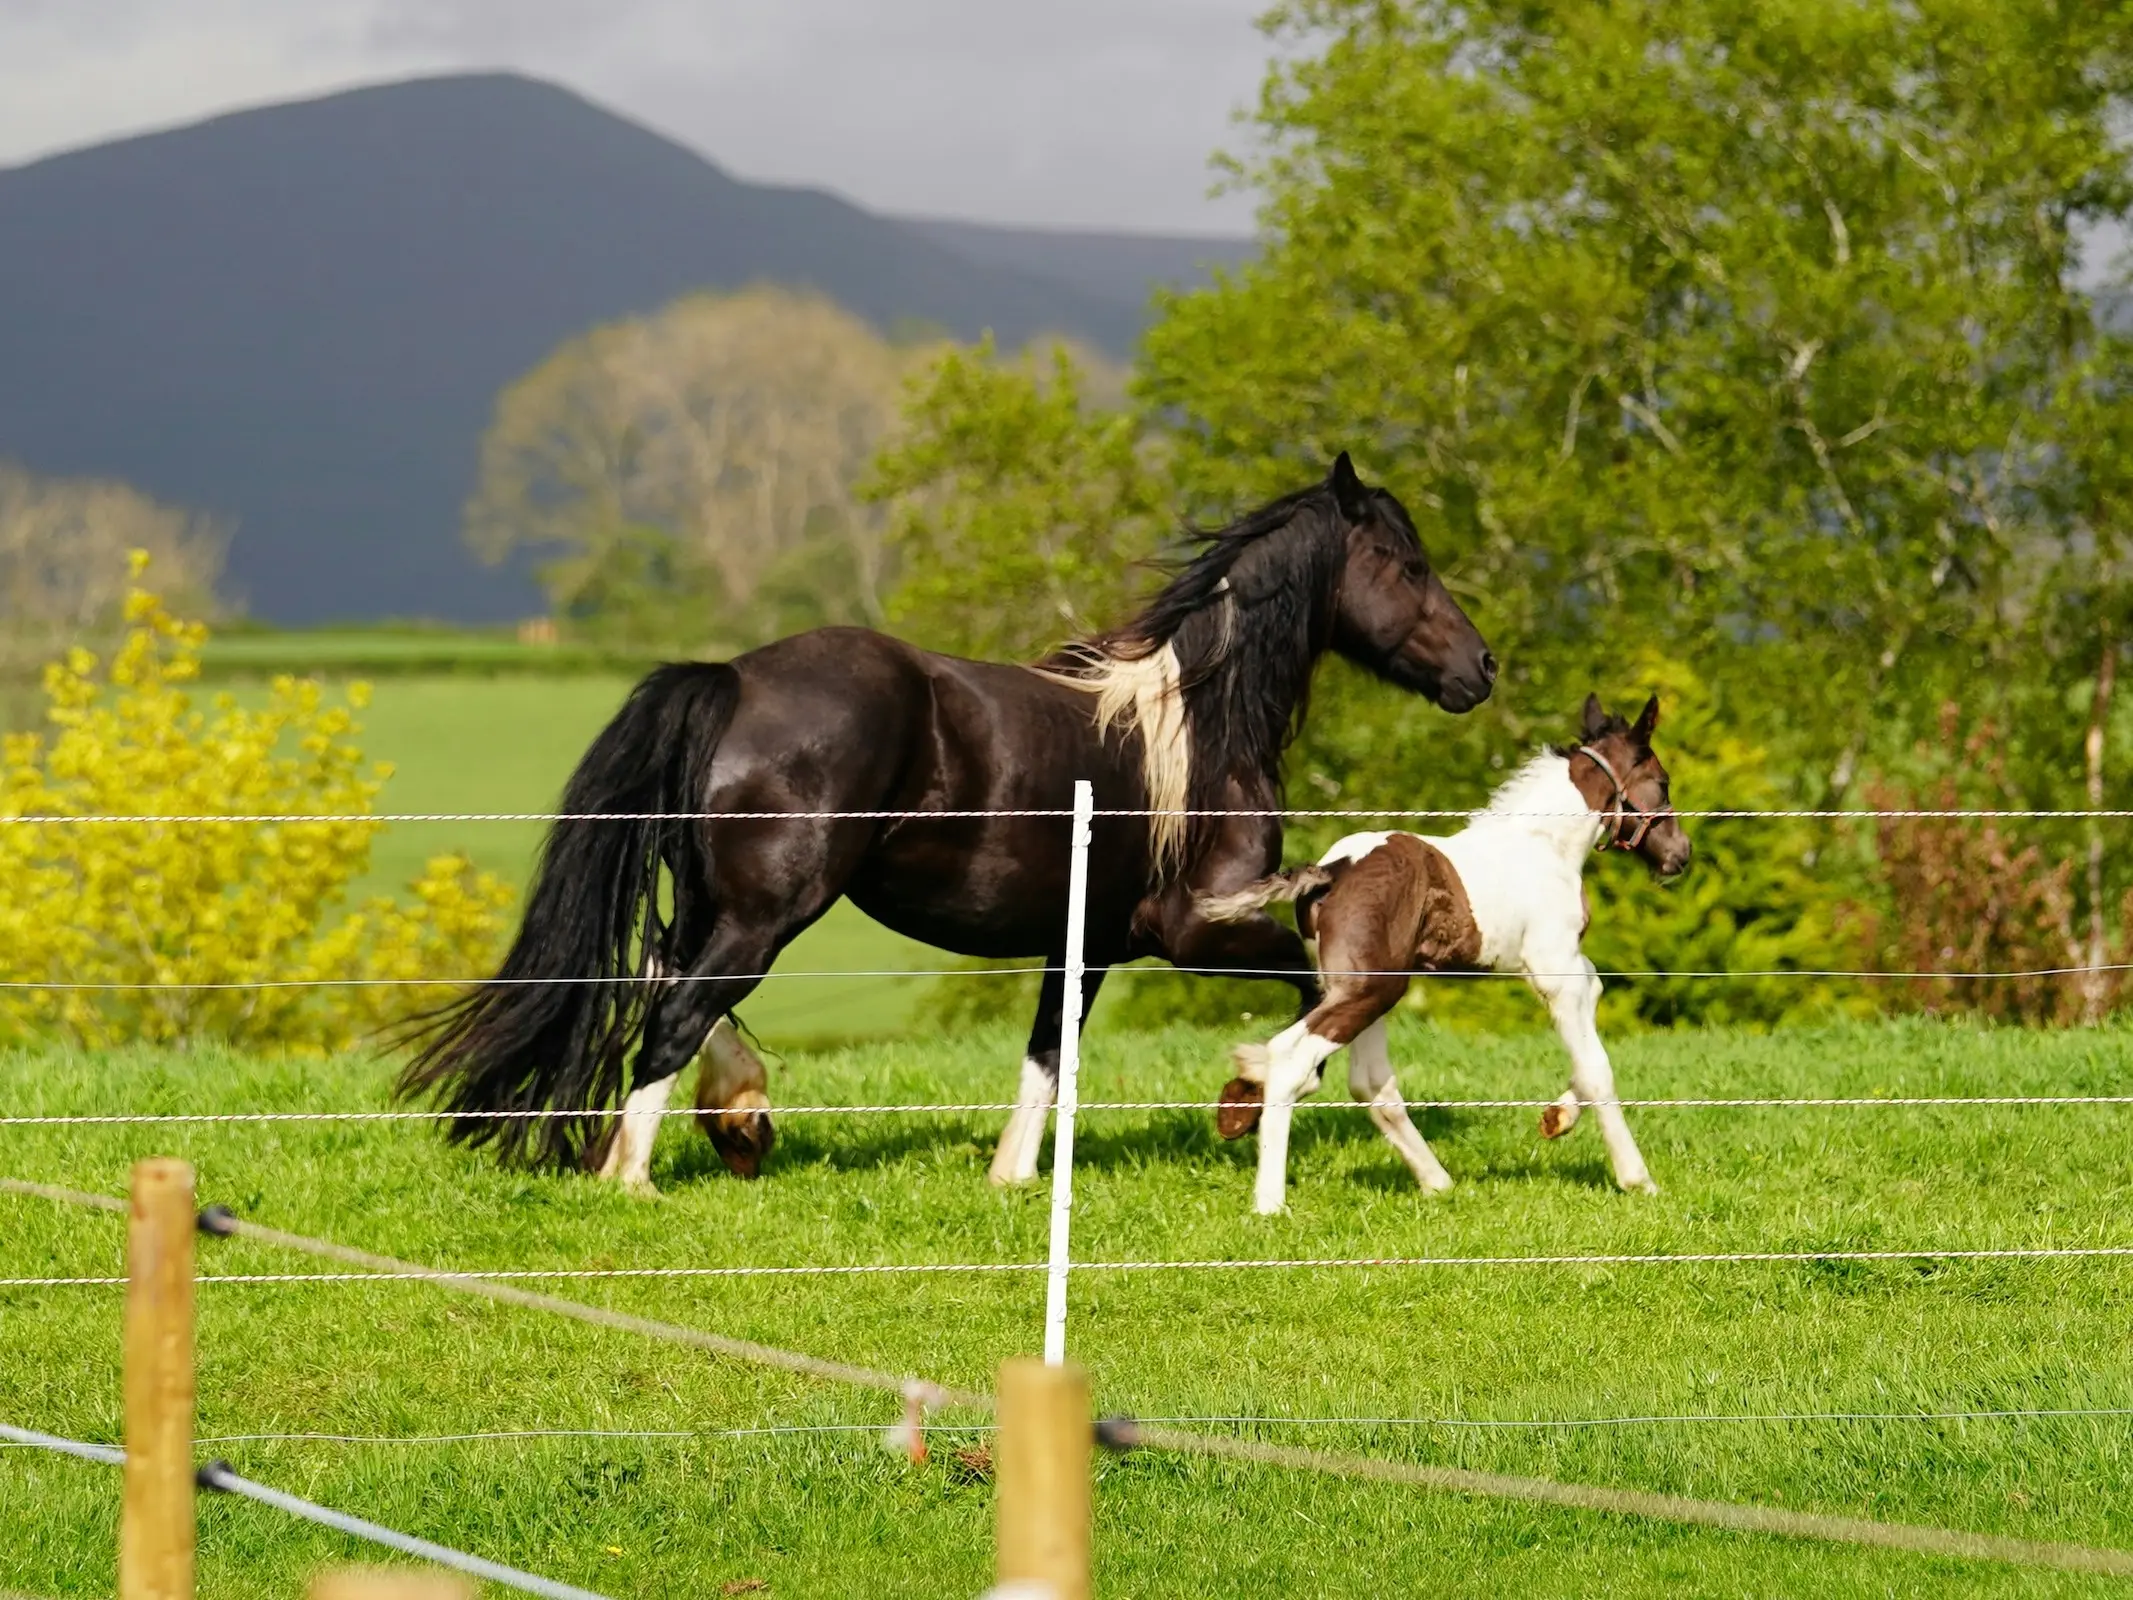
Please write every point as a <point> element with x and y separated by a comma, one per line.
<point>832,1514</point>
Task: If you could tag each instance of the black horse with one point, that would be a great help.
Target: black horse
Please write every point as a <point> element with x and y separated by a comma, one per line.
<point>1186,709</point>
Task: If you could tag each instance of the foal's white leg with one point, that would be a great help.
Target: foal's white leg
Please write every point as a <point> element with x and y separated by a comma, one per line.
<point>1572,990</point>
<point>1370,1080</point>
<point>1293,1058</point>
<point>1016,1159</point>
<point>629,1153</point>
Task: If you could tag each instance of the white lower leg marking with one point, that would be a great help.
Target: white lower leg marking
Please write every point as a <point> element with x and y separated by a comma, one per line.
<point>1370,1080</point>
<point>1295,1055</point>
<point>629,1153</point>
<point>1022,1142</point>
<point>1574,1002</point>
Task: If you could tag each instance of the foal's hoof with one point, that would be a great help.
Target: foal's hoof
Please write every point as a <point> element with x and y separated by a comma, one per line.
<point>1643,1185</point>
<point>1556,1121</point>
<point>1239,1112</point>
<point>741,1133</point>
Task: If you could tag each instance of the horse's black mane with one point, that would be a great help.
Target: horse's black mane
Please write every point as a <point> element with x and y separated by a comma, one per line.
<point>1247,615</point>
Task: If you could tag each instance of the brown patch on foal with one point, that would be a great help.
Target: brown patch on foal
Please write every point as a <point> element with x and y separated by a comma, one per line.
<point>1401,908</point>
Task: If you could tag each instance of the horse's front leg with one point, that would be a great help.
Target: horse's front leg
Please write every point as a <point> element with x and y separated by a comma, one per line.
<point>1023,1140</point>
<point>1371,1081</point>
<point>1571,988</point>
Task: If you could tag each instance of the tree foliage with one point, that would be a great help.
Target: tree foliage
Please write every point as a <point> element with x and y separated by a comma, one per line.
<point>1740,344</point>
<point>687,477</point>
<point>66,546</point>
<point>1022,515</point>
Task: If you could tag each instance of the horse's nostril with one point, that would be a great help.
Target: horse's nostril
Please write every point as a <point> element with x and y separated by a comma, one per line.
<point>1488,666</point>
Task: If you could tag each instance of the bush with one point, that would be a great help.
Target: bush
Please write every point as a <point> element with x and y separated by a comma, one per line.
<point>212,903</point>
<point>1964,895</point>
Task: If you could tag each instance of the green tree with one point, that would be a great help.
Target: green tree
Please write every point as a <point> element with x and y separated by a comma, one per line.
<point>1021,513</point>
<point>665,469</point>
<point>1744,333</point>
<point>1740,322</point>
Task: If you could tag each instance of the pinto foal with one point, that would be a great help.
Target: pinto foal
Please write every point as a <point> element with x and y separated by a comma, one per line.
<point>1505,894</point>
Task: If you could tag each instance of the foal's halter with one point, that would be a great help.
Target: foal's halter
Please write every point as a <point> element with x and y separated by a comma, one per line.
<point>1619,809</point>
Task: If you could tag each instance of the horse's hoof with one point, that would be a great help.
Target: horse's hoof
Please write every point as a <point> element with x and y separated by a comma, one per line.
<point>744,1150</point>
<point>1556,1121</point>
<point>741,1132</point>
<point>641,1189</point>
<point>1639,1186</point>
<point>1241,1105</point>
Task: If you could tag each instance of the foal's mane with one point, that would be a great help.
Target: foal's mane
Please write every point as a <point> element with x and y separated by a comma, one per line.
<point>1521,793</point>
<point>1215,670</point>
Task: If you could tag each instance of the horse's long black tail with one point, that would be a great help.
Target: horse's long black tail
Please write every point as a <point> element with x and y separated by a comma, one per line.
<point>552,1031</point>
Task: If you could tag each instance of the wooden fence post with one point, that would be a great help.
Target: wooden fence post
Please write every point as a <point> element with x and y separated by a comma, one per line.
<point>1041,1465</point>
<point>156,1527</point>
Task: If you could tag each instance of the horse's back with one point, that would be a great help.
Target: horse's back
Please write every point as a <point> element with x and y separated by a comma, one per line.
<point>846,719</point>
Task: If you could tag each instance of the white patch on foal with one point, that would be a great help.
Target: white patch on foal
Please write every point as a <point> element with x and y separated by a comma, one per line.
<point>1293,1059</point>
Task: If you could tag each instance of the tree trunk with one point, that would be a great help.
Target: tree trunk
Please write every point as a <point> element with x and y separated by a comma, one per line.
<point>2095,985</point>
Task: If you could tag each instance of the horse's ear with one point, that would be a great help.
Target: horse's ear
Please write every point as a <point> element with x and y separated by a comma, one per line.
<point>1647,722</point>
<point>1595,722</point>
<point>1348,491</point>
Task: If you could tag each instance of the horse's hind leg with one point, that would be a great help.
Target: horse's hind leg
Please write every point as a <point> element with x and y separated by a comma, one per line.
<point>1370,1080</point>
<point>1023,1139</point>
<point>683,1018</point>
<point>1294,1057</point>
<point>628,1157</point>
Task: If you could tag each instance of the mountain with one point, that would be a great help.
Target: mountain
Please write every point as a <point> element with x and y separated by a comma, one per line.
<point>298,317</point>
<point>1121,267</point>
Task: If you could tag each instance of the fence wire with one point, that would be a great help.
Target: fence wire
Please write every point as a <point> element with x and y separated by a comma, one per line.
<point>1128,1434</point>
<point>1059,813</point>
<point>972,1107</point>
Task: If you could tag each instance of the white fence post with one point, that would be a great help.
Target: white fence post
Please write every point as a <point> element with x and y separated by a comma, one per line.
<point>1055,1289</point>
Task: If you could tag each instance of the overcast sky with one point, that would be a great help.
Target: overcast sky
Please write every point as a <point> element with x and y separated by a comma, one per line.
<point>1080,113</point>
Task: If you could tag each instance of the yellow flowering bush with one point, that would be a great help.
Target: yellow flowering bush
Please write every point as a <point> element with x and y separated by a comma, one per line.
<point>143,908</point>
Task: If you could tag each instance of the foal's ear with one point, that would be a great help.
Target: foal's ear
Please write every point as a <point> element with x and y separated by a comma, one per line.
<point>1595,722</point>
<point>1647,722</point>
<point>1348,491</point>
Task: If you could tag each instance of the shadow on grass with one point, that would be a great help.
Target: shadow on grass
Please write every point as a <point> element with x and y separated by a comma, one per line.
<point>830,1144</point>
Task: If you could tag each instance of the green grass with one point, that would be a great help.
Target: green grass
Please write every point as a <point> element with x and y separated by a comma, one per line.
<point>833,1514</point>
<point>461,743</point>
<point>392,651</point>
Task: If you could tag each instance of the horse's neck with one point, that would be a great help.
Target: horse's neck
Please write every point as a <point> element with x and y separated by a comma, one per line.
<point>1540,800</point>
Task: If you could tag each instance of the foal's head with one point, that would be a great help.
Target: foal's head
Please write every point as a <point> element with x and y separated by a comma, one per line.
<point>1394,616</point>
<point>1619,776</point>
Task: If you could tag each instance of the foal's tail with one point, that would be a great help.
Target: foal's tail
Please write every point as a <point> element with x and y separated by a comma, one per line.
<point>550,1032</point>
<point>1257,896</point>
